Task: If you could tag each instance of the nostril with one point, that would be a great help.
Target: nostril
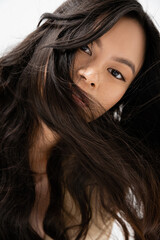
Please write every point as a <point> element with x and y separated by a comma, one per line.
<point>82,76</point>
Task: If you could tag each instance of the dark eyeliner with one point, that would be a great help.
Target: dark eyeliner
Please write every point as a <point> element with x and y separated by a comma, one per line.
<point>123,79</point>
<point>83,48</point>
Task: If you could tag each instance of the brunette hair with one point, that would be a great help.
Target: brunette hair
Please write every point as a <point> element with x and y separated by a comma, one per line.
<point>116,159</point>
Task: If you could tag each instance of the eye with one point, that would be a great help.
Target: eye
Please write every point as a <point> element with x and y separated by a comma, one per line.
<point>86,49</point>
<point>116,74</point>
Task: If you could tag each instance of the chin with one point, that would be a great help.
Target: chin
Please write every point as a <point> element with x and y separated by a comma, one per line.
<point>91,117</point>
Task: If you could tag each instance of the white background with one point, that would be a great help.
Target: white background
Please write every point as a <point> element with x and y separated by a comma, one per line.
<point>20,17</point>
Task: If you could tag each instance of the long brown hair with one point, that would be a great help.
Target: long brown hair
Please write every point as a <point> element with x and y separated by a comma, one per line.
<point>116,158</point>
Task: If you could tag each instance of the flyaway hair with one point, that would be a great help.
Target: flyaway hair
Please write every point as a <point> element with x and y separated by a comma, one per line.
<point>107,166</point>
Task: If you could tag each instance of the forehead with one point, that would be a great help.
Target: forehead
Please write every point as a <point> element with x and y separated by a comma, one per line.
<point>125,39</point>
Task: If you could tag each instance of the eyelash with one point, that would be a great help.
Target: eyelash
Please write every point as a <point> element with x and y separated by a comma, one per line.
<point>83,48</point>
<point>114,70</point>
<point>89,53</point>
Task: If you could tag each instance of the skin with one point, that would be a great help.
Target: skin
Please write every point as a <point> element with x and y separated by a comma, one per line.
<point>93,64</point>
<point>126,39</point>
<point>94,67</point>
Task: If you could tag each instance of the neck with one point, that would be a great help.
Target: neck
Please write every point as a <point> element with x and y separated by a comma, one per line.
<point>43,143</point>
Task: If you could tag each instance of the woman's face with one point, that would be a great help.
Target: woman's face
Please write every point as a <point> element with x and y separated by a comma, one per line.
<point>106,68</point>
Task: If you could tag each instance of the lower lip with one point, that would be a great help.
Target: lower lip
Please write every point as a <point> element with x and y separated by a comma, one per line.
<point>78,100</point>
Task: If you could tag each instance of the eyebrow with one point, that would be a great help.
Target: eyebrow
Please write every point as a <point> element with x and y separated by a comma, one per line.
<point>119,59</point>
<point>126,62</point>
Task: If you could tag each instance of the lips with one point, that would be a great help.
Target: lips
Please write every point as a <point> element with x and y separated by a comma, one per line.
<point>79,100</point>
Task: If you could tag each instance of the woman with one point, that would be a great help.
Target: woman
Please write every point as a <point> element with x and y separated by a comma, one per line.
<point>80,109</point>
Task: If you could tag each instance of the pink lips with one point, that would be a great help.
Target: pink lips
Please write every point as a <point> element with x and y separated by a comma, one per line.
<point>78,100</point>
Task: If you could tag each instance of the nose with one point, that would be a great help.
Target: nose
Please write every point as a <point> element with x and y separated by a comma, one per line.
<point>90,76</point>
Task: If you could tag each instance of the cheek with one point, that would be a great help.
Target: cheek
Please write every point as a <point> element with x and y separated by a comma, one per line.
<point>80,59</point>
<point>111,96</point>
